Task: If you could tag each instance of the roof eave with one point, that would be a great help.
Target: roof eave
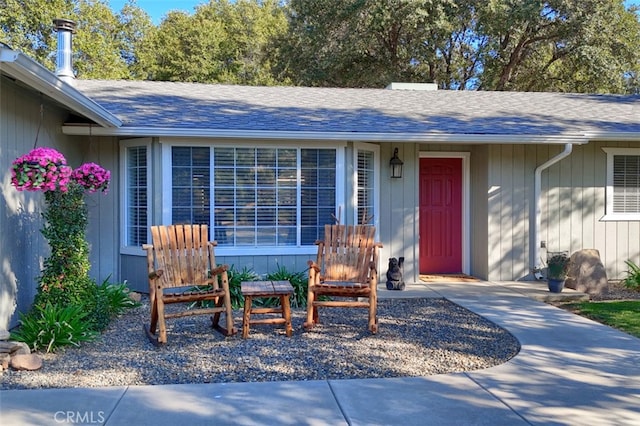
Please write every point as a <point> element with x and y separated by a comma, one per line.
<point>451,138</point>
<point>22,68</point>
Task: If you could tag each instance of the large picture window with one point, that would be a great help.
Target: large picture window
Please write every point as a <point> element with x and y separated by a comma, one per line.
<point>623,184</point>
<point>255,197</point>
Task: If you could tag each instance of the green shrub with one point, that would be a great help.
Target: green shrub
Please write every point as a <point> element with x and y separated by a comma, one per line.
<point>65,278</point>
<point>298,281</point>
<point>117,298</point>
<point>235,280</point>
<point>632,280</point>
<point>111,300</point>
<point>50,326</point>
<point>235,287</point>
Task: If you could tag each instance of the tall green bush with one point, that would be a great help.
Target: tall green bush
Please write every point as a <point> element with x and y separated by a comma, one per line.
<point>65,278</point>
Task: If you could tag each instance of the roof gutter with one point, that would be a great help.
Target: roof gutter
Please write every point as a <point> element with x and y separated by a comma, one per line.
<point>34,75</point>
<point>536,261</point>
<point>613,136</point>
<point>76,130</point>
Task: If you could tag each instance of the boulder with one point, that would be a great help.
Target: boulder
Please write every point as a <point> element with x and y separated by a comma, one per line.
<point>14,348</point>
<point>4,335</point>
<point>136,297</point>
<point>26,362</point>
<point>4,361</point>
<point>587,273</point>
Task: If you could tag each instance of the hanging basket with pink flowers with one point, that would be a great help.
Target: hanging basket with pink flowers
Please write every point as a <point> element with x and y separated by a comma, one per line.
<point>42,169</point>
<point>92,177</point>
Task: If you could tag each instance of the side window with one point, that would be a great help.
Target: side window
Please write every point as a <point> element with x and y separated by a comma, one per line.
<point>623,184</point>
<point>366,198</point>
<point>135,180</point>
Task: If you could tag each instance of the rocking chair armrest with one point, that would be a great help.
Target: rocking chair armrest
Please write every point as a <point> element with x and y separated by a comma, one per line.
<point>313,265</point>
<point>154,275</point>
<point>220,269</point>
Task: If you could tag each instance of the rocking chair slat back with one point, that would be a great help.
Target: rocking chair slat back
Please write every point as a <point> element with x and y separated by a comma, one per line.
<point>347,252</point>
<point>184,254</point>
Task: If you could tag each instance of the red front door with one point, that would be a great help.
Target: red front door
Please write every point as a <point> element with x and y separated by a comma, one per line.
<point>440,215</point>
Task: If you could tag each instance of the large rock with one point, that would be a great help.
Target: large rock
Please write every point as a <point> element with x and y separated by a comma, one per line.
<point>26,362</point>
<point>14,348</point>
<point>136,297</point>
<point>4,335</point>
<point>5,359</point>
<point>587,273</point>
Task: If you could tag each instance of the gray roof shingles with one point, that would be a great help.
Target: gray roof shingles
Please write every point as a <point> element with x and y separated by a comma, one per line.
<point>289,109</point>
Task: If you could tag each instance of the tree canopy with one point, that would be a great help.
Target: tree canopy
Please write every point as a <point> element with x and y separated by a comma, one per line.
<point>534,45</point>
<point>561,45</point>
<point>222,42</point>
<point>105,44</point>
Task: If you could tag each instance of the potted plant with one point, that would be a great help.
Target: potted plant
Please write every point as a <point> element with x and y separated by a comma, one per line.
<point>557,268</point>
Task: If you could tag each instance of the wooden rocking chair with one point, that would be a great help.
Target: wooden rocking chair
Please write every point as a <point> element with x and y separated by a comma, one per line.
<point>346,267</point>
<point>182,269</point>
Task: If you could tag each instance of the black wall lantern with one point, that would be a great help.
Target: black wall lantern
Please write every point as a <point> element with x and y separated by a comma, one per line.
<point>396,165</point>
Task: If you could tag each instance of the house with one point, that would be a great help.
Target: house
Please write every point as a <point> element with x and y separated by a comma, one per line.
<point>490,180</point>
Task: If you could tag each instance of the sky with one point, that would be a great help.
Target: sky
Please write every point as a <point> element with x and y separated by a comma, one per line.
<point>157,9</point>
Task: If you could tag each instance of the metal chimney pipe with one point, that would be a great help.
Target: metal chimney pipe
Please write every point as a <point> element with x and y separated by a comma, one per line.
<point>64,62</point>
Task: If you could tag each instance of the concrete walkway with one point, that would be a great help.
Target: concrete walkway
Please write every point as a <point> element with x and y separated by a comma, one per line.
<point>570,371</point>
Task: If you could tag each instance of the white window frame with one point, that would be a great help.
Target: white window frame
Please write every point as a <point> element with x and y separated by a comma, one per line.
<point>167,201</point>
<point>125,144</point>
<point>375,149</point>
<point>609,214</point>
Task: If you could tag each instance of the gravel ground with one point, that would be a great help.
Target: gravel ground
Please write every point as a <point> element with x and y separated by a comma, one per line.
<point>618,291</point>
<point>417,337</point>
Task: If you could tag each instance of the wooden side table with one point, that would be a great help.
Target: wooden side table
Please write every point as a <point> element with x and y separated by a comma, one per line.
<point>255,289</point>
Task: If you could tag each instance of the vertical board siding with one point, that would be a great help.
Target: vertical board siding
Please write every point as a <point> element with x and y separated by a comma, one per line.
<point>398,224</point>
<point>495,195</point>
<point>580,221</point>
<point>102,230</point>
<point>509,195</point>
<point>479,211</point>
<point>22,246</point>
<point>507,211</point>
<point>522,194</point>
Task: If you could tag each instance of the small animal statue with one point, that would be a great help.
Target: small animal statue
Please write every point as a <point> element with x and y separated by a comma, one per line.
<point>394,274</point>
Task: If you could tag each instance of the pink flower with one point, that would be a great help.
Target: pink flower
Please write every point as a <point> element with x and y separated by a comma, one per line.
<point>39,170</point>
<point>45,169</point>
<point>93,177</point>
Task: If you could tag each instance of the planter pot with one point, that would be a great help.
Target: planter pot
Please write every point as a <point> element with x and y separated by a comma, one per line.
<point>555,286</point>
